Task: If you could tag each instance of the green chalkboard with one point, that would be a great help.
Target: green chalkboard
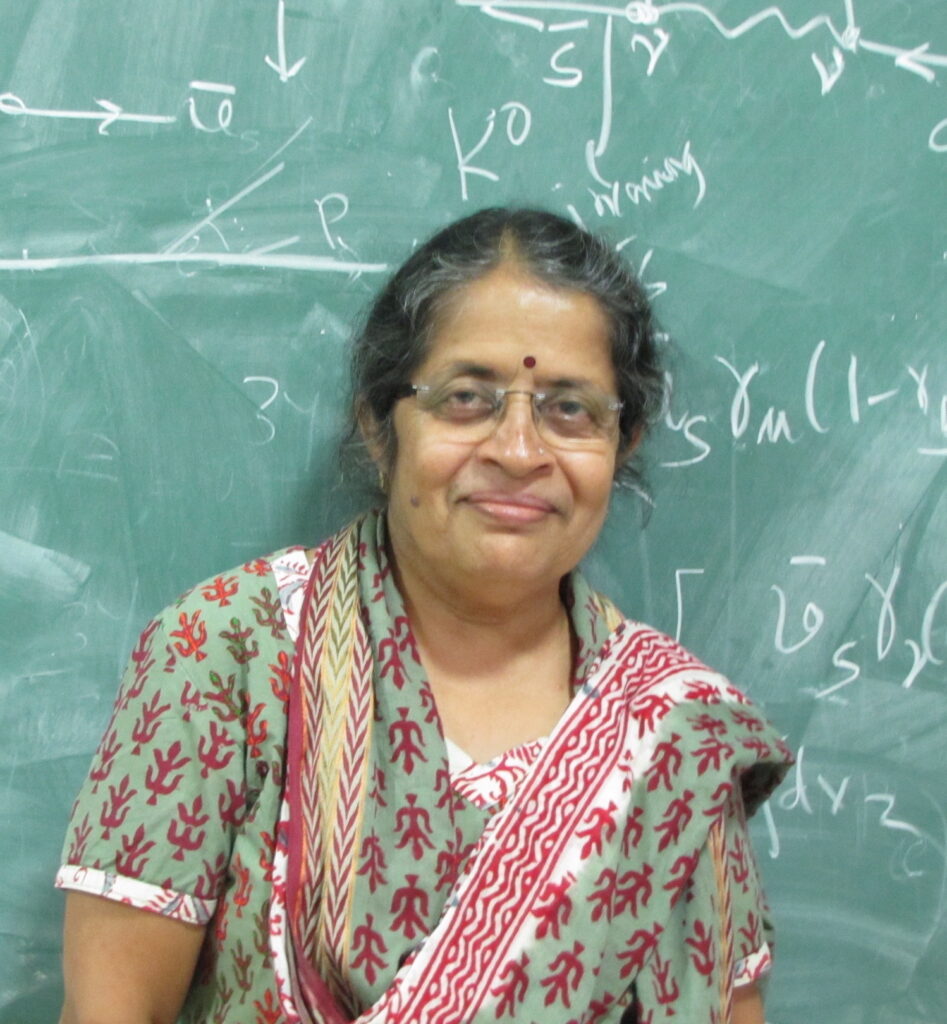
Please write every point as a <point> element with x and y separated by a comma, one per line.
<point>197,198</point>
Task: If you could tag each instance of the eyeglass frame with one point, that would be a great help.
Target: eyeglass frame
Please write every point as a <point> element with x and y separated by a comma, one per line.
<point>613,405</point>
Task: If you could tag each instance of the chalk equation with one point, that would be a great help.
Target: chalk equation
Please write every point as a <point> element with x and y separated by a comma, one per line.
<point>216,95</point>
<point>794,622</point>
<point>646,40</point>
<point>201,93</point>
<point>918,59</point>
<point>769,424</point>
<point>863,804</point>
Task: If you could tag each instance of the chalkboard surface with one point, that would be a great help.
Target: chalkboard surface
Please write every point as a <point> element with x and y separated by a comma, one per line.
<point>197,198</point>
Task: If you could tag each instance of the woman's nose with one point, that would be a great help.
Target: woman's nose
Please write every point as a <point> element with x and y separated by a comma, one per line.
<point>515,440</point>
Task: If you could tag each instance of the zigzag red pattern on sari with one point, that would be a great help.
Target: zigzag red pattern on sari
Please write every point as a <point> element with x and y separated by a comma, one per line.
<point>497,895</point>
<point>502,887</point>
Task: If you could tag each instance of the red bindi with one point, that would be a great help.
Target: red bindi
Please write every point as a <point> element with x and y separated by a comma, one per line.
<point>529,362</point>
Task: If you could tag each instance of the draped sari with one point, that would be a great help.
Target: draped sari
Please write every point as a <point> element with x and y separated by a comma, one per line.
<point>275,771</point>
<point>611,865</point>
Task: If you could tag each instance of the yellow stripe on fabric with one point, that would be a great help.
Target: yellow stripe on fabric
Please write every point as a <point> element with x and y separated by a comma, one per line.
<point>718,851</point>
<point>345,668</point>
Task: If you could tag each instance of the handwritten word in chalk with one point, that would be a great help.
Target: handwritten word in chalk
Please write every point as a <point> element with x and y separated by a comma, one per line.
<point>670,171</point>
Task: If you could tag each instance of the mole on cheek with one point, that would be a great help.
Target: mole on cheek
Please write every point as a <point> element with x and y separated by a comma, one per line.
<point>415,501</point>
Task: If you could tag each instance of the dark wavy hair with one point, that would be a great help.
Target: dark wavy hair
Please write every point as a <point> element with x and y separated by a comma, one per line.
<point>397,330</point>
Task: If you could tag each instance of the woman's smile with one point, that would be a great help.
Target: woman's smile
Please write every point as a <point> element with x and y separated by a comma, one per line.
<point>514,509</point>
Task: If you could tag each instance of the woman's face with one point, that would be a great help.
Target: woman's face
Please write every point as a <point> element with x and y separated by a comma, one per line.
<point>508,508</point>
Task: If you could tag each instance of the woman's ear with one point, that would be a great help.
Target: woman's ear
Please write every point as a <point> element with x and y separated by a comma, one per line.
<point>628,448</point>
<point>373,436</point>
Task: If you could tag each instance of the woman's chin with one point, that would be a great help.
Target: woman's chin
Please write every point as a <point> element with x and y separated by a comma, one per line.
<point>513,561</point>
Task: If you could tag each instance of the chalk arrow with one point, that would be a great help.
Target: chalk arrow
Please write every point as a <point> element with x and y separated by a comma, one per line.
<point>111,112</point>
<point>916,60</point>
<point>114,112</point>
<point>830,75</point>
<point>279,65</point>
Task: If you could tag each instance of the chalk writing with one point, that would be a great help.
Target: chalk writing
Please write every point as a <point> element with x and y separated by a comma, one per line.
<point>518,124</point>
<point>740,406</point>
<point>656,44</point>
<point>848,793</point>
<point>274,391</point>
<point>887,622</point>
<point>812,619</point>
<point>425,68</point>
<point>776,424</point>
<point>193,234</point>
<point>686,424</point>
<point>937,140</point>
<point>338,207</point>
<point>567,77</point>
<point>917,59</point>
<point>679,574</point>
<point>223,93</point>
<point>281,149</point>
<point>829,75</point>
<point>846,657</point>
<point>644,188</point>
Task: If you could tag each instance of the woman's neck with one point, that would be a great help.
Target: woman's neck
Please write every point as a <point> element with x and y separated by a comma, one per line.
<point>493,619</point>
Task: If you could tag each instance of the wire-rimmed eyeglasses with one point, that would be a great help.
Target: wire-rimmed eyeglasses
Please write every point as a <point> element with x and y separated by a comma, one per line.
<point>565,417</point>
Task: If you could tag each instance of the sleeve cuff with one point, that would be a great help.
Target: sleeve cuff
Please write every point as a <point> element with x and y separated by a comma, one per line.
<point>180,906</point>
<point>754,967</point>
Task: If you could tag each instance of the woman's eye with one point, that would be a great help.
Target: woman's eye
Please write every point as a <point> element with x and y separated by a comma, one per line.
<point>569,408</point>
<point>462,397</point>
<point>464,401</point>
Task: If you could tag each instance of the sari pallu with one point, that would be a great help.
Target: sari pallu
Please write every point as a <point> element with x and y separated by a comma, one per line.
<point>610,867</point>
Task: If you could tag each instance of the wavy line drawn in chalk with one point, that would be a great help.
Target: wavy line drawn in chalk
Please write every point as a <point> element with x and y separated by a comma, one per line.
<point>111,112</point>
<point>918,59</point>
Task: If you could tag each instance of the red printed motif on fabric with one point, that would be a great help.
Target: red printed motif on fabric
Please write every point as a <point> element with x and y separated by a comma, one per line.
<point>492,784</point>
<point>221,589</point>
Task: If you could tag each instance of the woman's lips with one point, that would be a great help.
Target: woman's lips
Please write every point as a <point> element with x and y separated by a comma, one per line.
<point>511,508</point>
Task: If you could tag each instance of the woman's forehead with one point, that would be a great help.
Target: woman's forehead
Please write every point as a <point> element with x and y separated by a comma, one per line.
<point>508,320</point>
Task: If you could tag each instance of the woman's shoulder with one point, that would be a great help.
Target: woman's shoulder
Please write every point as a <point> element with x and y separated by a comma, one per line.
<point>245,582</point>
<point>237,609</point>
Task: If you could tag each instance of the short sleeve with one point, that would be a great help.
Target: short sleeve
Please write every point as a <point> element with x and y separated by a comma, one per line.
<point>153,824</point>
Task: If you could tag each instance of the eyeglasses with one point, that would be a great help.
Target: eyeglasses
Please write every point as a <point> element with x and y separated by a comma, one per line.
<point>565,417</point>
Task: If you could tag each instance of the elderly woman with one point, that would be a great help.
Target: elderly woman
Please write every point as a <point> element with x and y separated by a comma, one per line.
<point>423,772</point>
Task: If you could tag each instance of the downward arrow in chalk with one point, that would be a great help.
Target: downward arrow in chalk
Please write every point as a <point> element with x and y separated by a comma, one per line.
<point>279,65</point>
